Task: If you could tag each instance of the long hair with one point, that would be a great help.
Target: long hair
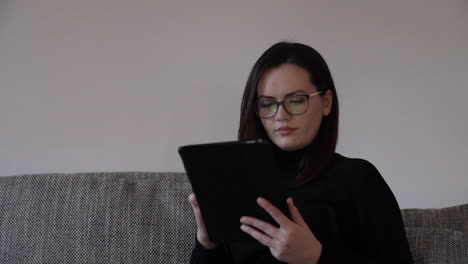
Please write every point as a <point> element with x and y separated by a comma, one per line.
<point>319,154</point>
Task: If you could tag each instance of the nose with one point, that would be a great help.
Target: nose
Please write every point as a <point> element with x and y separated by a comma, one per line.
<point>282,114</point>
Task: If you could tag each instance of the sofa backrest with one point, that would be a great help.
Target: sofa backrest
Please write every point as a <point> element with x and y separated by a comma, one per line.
<point>438,235</point>
<point>145,217</point>
<point>96,218</point>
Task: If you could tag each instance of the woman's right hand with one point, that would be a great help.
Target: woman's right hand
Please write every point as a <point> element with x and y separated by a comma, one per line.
<point>202,235</point>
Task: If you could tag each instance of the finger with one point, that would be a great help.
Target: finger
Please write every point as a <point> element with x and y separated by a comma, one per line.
<point>265,227</point>
<point>279,217</point>
<point>295,214</point>
<point>193,200</point>
<point>197,212</point>
<point>262,238</point>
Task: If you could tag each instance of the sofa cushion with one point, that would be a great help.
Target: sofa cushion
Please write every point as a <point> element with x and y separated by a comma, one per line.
<point>96,218</point>
<point>455,218</point>
<point>437,245</point>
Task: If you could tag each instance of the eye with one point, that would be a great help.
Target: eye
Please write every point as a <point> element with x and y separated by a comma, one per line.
<point>294,101</point>
<point>297,101</point>
<point>266,104</point>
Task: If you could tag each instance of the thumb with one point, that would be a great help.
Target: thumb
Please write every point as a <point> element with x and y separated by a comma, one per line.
<point>295,214</point>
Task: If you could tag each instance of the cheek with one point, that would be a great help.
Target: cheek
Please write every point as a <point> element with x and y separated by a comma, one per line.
<point>267,125</point>
<point>311,125</point>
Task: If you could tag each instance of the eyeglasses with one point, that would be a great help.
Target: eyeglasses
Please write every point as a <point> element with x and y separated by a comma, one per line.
<point>294,105</point>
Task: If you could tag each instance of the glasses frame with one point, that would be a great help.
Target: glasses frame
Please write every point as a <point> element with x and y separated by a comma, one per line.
<point>281,103</point>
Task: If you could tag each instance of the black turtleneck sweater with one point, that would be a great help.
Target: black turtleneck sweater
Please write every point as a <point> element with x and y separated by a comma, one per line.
<point>349,208</point>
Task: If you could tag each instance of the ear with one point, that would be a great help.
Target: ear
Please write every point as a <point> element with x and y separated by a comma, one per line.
<point>327,102</point>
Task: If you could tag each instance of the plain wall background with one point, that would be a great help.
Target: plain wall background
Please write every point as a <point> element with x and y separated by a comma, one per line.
<point>107,85</point>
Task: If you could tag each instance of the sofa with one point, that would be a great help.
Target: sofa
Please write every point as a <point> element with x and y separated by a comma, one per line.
<point>145,217</point>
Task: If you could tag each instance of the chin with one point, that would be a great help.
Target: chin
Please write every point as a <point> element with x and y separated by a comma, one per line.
<point>291,148</point>
<point>288,146</point>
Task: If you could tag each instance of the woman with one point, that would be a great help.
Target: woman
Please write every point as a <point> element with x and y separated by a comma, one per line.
<point>290,100</point>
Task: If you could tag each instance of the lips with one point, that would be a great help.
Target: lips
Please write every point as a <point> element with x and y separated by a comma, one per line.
<point>285,130</point>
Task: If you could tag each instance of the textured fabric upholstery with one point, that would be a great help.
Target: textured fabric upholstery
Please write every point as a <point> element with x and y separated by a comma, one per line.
<point>136,217</point>
<point>438,235</point>
<point>437,245</point>
<point>96,218</point>
<point>455,217</point>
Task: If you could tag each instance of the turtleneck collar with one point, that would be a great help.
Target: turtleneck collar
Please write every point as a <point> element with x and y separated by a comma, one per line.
<point>289,162</point>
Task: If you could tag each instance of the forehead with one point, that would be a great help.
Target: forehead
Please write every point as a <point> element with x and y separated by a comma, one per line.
<point>285,79</point>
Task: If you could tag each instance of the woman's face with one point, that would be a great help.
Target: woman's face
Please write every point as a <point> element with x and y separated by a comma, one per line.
<point>297,131</point>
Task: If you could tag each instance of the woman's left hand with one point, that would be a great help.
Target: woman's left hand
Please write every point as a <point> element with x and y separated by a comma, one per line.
<point>293,242</point>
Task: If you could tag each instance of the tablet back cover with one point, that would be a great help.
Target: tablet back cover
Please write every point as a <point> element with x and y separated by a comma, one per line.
<point>227,178</point>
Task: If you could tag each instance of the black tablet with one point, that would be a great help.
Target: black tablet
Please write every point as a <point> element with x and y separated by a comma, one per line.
<point>227,178</point>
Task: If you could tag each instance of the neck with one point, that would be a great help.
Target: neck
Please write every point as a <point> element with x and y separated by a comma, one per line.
<point>289,161</point>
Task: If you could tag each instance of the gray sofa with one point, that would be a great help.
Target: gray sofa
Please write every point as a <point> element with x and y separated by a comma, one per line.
<point>146,218</point>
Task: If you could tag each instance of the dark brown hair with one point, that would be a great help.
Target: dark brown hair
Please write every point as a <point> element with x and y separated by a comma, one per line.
<point>319,154</point>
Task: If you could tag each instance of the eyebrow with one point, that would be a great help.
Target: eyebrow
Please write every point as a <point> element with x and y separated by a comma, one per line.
<point>291,93</point>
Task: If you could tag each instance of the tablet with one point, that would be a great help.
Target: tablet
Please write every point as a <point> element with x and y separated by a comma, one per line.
<point>227,178</point>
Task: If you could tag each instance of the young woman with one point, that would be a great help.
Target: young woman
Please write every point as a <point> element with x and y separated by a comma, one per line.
<point>290,100</point>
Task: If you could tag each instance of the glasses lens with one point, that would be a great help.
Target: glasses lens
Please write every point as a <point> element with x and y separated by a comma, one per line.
<point>266,108</point>
<point>297,104</point>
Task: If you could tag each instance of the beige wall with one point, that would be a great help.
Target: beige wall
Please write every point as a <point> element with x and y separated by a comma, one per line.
<point>106,85</point>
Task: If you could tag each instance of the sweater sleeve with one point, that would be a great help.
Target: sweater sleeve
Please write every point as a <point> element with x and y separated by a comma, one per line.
<point>201,255</point>
<point>383,236</point>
